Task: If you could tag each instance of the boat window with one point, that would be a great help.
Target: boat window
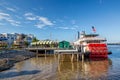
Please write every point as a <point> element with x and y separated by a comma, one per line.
<point>93,41</point>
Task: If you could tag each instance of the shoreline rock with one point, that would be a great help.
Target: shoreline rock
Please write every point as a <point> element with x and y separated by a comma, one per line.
<point>10,57</point>
<point>4,65</point>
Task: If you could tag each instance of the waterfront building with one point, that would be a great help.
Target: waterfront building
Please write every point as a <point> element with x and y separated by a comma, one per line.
<point>3,41</point>
<point>16,38</point>
<point>19,42</point>
<point>29,38</point>
<point>23,40</point>
<point>10,38</point>
<point>45,44</point>
<point>64,45</point>
<point>2,37</point>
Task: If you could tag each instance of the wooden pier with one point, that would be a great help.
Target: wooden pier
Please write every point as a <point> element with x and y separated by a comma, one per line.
<point>59,53</point>
<point>73,53</point>
<point>41,49</point>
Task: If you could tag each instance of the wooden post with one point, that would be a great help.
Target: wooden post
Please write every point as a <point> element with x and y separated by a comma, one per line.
<point>59,56</point>
<point>45,54</point>
<point>77,70</point>
<point>55,56</point>
<point>82,57</point>
<point>54,53</point>
<point>72,58</point>
<point>62,57</point>
<point>37,51</point>
<point>72,64</point>
<point>59,67</point>
<point>77,56</point>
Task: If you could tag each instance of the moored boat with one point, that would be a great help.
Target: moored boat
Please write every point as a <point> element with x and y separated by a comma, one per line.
<point>92,46</point>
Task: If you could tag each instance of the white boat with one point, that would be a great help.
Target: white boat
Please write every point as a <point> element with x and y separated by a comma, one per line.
<point>92,45</point>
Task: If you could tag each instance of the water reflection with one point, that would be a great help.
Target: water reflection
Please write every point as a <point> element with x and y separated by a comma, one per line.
<point>52,69</point>
<point>67,70</point>
<point>45,64</point>
<point>83,70</point>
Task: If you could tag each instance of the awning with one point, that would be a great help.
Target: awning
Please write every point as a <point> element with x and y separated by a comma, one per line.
<point>44,42</point>
<point>47,42</point>
<point>38,42</point>
<point>33,43</point>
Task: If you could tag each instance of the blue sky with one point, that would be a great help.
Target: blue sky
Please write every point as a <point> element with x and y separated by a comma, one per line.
<point>61,19</point>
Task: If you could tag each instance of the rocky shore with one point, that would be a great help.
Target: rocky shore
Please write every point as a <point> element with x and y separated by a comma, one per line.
<point>9,57</point>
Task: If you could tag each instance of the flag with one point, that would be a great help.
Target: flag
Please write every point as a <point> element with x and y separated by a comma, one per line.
<point>94,30</point>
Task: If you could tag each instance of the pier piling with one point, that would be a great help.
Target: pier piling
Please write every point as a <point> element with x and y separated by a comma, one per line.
<point>82,57</point>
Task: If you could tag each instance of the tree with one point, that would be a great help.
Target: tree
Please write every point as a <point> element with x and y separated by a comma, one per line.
<point>26,43</point>
<point>35,39</point>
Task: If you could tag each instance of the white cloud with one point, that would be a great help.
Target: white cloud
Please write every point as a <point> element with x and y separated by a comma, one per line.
<point>4,14</point>
<point>40,25</point>
<point>45,21</point>
<point>63,27</point>
<point>8,6</point>
<point>31,18</point>
<point>7,17</point>
<point>10,9</point>
<point>67,28</point>
<point>28,14</point>
<point>40,21</point>
<point>13,22</point>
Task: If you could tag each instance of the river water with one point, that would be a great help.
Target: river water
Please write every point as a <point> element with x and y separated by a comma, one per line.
<point>49,68</point>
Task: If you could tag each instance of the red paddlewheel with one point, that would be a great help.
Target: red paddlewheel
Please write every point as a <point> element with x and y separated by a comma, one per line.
<point>98,50</point>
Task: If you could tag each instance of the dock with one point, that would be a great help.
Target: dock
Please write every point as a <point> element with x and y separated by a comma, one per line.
<point>58,52</point>
<point>38,49</point>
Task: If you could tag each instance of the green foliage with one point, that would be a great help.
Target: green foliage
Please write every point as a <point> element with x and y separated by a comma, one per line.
<point>35,39</point>
<point>26,43</point>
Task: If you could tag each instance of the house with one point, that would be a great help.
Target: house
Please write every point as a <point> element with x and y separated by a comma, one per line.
<point>64,45</point>
<point>3,41</point>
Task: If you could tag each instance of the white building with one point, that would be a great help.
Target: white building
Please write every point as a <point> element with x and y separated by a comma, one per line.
<point>10,38</point>
<point>2,36</point>
<point>29,38</point>
<point>3,41</point>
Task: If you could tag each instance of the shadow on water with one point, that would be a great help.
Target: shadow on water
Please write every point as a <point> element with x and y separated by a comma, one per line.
<point>15,74</point>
